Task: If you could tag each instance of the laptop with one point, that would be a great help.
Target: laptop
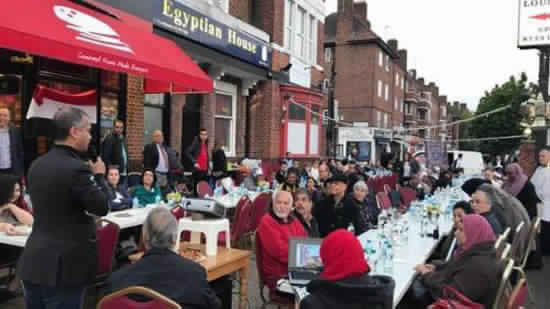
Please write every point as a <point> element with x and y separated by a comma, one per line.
<point>304,260</point>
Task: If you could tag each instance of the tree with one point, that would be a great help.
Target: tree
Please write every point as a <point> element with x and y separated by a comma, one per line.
<point>465,128</point>
<point>505,123</point>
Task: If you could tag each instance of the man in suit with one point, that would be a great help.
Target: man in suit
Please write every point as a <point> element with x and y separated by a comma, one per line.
<point>155,157</point>
<point>115,150</point>
<point>60,257</point>
<point>11,146</point>
<point>163,270</point>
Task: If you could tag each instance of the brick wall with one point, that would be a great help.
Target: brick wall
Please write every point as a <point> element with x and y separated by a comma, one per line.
<point>242,9</point>
<point>267,121</point>
<point>135,122</point>
<point>269,16</point>
<point>176,123</point>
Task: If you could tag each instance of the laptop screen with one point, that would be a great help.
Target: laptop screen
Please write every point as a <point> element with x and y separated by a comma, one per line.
<point>304,253</point>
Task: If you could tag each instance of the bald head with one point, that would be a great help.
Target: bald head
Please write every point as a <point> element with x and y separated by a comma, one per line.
<point>158,137</point>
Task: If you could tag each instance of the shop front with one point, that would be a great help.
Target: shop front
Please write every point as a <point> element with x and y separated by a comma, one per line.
<point>87,56</point>
<point>301,122</point>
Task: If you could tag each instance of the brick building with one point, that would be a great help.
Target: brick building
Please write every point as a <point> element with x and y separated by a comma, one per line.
<point>266,91</point>
<point>370,73</point>
<point>425,107</point>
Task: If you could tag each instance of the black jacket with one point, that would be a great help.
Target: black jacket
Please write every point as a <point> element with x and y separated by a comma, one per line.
<point>16,151</point>
<point>313,229</point>
<point>331,218</point>
<point>365,292</point>
<point>61,250</point>
<point>475,274</point>
<point>122,203</point>
<point>151,156</point>
<point>175,277</point>
<point>219,161</point>
<point>192,152</point>
<point>112,152</point>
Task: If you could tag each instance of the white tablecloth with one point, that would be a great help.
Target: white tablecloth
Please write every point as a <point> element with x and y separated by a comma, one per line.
<point>136,218</point>
<point>231,200</point>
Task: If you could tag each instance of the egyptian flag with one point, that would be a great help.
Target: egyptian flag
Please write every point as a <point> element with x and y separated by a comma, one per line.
<point>46,102</point>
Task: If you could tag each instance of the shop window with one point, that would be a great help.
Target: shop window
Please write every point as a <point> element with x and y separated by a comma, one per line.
<point>296,112</point>
<point>152,114</point>
<point>314,130</point>
<point>224,121</point>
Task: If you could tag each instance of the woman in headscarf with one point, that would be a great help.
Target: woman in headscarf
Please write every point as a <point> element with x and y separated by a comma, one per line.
<point>518,184</point>
<point>473,270</point>
<point>344,282</point>
<point>368,211</point>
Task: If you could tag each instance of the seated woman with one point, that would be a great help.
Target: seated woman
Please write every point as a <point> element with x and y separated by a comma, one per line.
<point>148,193</point>
<point>473,270</point>
<point>119,198</point>
<point>314,191</point>
<point>10,217</point>
<point>274,232</point>
<point>368,211</point>
<point>460,209</point>
<point>345,282</point>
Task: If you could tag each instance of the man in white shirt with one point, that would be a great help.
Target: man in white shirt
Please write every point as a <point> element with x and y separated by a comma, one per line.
<point>541,181</point>
<point>155,157</point>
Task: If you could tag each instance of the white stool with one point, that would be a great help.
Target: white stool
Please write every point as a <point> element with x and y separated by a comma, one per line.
<point>210,227</point>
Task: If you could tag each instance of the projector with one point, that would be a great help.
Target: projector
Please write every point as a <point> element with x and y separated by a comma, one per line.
<point>204,206</point>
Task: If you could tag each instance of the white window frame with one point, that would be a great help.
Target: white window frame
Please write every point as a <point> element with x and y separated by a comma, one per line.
<point>395,104</point>
<point>328,55</point>
<point>290,23</point>
<point>402,82</point>
<point>301,33</point>
<point>387,63</point>
<point>380,86</point>
<point>386,92</point>
<point>380,59</point>
<point>386,120</point>
<point>378,119</point>
<point>312,39</point>
<point>230,90</point>
<point>397,79</point>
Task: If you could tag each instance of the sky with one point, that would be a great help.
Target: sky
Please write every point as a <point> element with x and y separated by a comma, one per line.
<point>466,47</point>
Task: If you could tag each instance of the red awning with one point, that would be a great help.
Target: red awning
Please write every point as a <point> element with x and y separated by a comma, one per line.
<point>74,33</point>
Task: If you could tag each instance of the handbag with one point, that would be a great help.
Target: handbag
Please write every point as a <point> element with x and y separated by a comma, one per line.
<point>453,299</point>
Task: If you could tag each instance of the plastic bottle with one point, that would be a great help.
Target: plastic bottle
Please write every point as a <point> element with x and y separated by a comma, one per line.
<point>135,203</point>
<point>157,199</point>
<point>388,257</point>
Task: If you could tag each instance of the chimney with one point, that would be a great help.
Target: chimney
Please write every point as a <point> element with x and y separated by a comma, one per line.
<point>455,105</point>
<point>393,44</point>
<point>463,107</point>
<point>412,73</point>
<point>361,8</point>
<point>345,7</point>
<point>421,82</point>
<point>403,58</point>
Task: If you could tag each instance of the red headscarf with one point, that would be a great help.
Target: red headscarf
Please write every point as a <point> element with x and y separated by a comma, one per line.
<point>342,256</point>
<point>477,230</point>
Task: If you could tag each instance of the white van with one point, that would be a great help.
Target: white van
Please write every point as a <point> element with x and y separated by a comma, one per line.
<point>472,161</point>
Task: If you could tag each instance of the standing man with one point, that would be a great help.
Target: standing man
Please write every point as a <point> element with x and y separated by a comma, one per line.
<point>115,150</point>
<point>197,154</point>
<point>60,257</point>
<point>11,146</point>
<point>155,157</point>
<point>541,181</point>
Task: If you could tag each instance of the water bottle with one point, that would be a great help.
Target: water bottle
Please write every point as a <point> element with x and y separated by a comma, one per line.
<point>423,225</point>
<point>351,228</point>
<point>135,203</point>
<point>157,199</point>
<point>388,257</point>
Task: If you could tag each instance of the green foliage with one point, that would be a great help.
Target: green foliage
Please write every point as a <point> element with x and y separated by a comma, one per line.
<point>505,123</point>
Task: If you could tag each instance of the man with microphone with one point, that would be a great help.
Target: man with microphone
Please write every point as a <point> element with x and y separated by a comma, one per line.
<point>60,257</point>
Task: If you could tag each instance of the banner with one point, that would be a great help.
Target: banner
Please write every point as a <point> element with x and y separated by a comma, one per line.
<point>436,154</point>
<point>46,102</point>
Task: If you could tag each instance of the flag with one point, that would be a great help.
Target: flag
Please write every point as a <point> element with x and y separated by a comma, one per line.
<point>46,102</point>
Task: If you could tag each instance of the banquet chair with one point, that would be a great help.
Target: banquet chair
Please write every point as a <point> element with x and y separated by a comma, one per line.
<point>178,212</point>
<point>120,300</point>
<point>499,245</point>
<point>383,200</point>
<point>274,299</point>
<point>532,236</point>
<point>504,281</point>
<point>241,226</point>
<point>506,253</point>
<point>203,189</point>
<point>518,298</point>
<point>387,188</point>
<point>506,233</point>
<point>107,233</point>
<point>515,249</point>
<point>260,206</point>
<point>407,196</point>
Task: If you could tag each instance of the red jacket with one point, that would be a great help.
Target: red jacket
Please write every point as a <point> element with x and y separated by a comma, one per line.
<point>274,237</point>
